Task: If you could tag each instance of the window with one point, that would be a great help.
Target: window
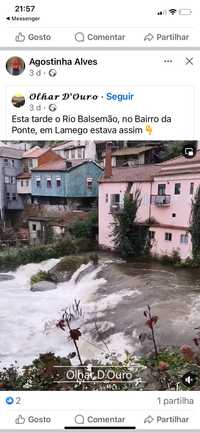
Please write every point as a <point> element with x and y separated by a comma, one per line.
<point>67,154</point>
<point>192,188</point>
<point>161,188</point>
<point>73,154</point>
<point>27,182</point>
<point>6,162</point>
<point>7,179</point>
<point>115,203</point>
<point>49,182</point>
<point>34,227</point>
<point>13,180</point>
<point>8,196</point>
<point>79,153</point>
<point>151,234</point>
<point>13,162</point>
<point>14,197</point>
<point>168,236</point>
<point>38,182</point>
<point>184,239</point>
<point>106,198</point>
<point>115,199</point>
<point>173,215</point>
<point>58,182</point>
<point>177,188</point>
<point>89,182</point>
<point>22,183</point>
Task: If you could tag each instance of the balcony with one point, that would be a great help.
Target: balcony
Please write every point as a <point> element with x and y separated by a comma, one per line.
<point>161,200</point>
<point>116,208</point>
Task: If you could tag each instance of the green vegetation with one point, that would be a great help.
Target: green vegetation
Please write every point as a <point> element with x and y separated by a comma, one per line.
<point>172,259</point>
<point>40,276</point>
<point>71,263</point>
<point>42,375</point>
<point>130,238</point>
<point>146,373</point>
<point>87,228</point>
<point>172,149</point>
<point>195,226</point>
<point>173,359</point>
<point>11,258</point>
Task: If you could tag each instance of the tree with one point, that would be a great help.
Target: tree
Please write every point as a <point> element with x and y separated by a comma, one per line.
<point>172,149</point>
<point>87,228</point>
<point>130,237</point>
<point>195,225</point>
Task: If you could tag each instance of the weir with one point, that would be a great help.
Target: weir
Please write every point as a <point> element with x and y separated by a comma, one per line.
<point>112,309</point>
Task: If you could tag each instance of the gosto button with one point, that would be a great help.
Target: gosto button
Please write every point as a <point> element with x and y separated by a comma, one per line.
<point>35,37</point>
<point>35,420</point>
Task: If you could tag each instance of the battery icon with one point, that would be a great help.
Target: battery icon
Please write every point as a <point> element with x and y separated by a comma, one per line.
<point>185,11</point>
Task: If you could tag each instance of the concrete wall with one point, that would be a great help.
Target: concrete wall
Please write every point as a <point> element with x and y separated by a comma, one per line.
<point>180,205</point>
<point>160,246</point>
<point>106,191</point>
<point>174,219</point>
<point>24,186</point>
<point>76,180</point>
<point>9,188</point>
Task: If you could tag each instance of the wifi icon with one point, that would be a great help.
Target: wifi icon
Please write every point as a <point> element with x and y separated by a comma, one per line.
<point>172,11</point>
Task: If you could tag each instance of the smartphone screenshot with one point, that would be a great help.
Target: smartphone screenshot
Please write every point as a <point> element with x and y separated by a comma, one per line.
<point>99,216</point>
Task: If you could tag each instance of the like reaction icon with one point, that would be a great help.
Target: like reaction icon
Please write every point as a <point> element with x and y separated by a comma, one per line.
<point>20,420</point>
<point>20,37</point>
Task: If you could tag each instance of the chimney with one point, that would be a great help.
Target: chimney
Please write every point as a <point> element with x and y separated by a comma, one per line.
<point>68,164</point>
<point>108,161</point>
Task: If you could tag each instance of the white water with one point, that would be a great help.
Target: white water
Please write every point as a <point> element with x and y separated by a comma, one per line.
<point>113,311</point>
<point>28,319</point>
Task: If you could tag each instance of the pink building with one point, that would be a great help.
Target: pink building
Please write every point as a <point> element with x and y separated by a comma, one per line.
<point>166,189</point>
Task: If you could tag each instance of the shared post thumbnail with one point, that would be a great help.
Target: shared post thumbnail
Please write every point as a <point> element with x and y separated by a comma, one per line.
<point>99,265</point>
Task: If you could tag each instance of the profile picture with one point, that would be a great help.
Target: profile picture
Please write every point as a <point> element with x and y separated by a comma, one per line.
<point>15,65</point>
<point>18,100</point>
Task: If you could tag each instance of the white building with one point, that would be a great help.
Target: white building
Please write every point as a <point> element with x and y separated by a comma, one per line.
<point>77,149</point>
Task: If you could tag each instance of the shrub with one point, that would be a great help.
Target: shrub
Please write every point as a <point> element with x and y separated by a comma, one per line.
<point>40,276</point>
<point>12,258</point>
<point>195,226</point>
<point>87,228</point>
<point>130,238</point>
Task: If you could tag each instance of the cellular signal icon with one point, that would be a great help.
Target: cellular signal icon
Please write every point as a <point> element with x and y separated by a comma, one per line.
<point>172,11</point>
<point>164,12</point>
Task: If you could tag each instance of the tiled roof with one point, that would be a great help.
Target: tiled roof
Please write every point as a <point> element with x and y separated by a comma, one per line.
<point>68,145</point>
<point>61,165</point>
<point>24,176</point>
<point>148,171</point>
<point>52,165</point>
<point>35,152</point>
<point>9,152</point>
<point>143,173</point>
<point>130,151</point>
<point>63,220</point>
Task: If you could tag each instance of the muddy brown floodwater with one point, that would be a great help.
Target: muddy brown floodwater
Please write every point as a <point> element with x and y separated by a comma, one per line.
<point>173,294</point>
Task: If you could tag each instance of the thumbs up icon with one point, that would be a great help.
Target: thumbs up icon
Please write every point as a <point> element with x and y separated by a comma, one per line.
<point>20,420</point>
<point>20,37</point>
